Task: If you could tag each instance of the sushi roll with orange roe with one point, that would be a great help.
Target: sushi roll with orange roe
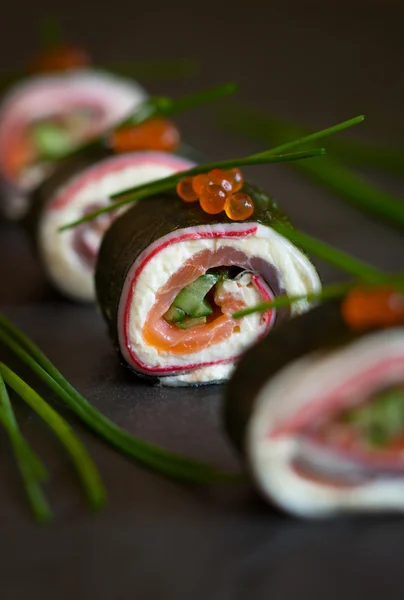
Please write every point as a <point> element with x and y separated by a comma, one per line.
<point>317,408</point>
<point>172,270</point>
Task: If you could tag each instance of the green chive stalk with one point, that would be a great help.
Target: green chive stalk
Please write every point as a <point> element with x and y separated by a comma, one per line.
<point>31,469</point>
<point>330,173</point>
<point>167,183</point>
<point>86,469</point>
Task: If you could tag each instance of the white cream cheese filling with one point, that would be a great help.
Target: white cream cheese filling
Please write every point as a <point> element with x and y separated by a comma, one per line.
<point>297,276</point>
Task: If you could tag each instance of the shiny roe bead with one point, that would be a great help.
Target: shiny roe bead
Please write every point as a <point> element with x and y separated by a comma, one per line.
<point>212,199</point>
<point>200,182</point>
<point>221,178</point>
<point>236,179</point>
<point>154,134</point>
<point>186,191</point>
<point>239,207</point>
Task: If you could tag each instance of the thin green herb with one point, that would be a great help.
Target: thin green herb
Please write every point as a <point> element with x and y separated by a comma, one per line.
<point>338,258</point>
<point>262,127</point>
<point>337,290</point>
<point>330,173</point>
<point>149,455</point>
<point>86,469</point>
<point>167,183</point>
<point>31,469</point>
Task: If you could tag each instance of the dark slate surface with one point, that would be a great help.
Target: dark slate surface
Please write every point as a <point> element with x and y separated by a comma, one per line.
<point>309,60</point>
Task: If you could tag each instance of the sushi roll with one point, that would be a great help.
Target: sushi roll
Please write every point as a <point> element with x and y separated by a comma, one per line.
<point>49,114</point>
<point>77,187</point>
<point>317,408</point>
<point>169,276</point>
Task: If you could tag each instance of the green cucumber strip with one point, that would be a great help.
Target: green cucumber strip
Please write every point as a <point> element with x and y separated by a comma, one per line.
<point>204,309</point>
<point>51,140</point>
<point>174,315</point>
<point>192,298</point>
<point>188,323</point>
<point>381,419</point>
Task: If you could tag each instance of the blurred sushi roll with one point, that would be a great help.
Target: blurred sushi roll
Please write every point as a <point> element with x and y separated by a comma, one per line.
<point>80,186</point>
<point>169,276</point>
<point>47,115</point>
<point>317,408</point>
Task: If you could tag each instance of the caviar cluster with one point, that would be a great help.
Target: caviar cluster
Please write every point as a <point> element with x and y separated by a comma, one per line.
<point>217,191</point>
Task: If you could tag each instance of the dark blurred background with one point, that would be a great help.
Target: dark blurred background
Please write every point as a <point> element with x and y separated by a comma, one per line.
<point>316,62</point>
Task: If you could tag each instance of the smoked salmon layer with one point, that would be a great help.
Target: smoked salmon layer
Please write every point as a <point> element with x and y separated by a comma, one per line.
<point>169,278</point>
<point>78,187</point>
<point>322,423</point>
<point>47,116</point>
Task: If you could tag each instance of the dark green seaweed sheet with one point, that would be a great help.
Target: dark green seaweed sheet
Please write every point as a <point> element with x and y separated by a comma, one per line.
<point>322,328</point>
<point>148,221</point>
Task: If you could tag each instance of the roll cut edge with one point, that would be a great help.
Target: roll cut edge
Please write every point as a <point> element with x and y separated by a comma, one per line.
<point>169,277</point>
<point>50,114</point>
<point>321,420</point>
<point>78,187</point>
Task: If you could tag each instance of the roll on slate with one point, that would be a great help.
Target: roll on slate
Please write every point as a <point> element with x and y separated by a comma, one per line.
<point>169,276</point>
<point>317,408</point>
<point>48,115</point>
<point>78,186</point>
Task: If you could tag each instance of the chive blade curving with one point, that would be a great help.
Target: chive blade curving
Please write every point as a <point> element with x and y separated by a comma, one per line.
<point>329,292</point>
<point>86,469</point>
<point>262,127</point>
<point>331,173</point>
<point>31,469</point>
<point>167,183</point>
<point>150,455</point>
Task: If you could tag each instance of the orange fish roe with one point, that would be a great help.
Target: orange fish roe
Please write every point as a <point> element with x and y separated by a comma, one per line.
<point>200,182</point>
<point>154,134</point>
<point>239,206</point>
<point>236,179</point>
<point>221,178</point>
<point>216,192</point>
<point>186,191</point>
<point>213,199</point>
<point>378,307</point>
<point>62,58</point>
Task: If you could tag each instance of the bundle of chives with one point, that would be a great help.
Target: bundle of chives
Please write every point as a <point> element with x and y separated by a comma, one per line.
<point>149,455</point>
